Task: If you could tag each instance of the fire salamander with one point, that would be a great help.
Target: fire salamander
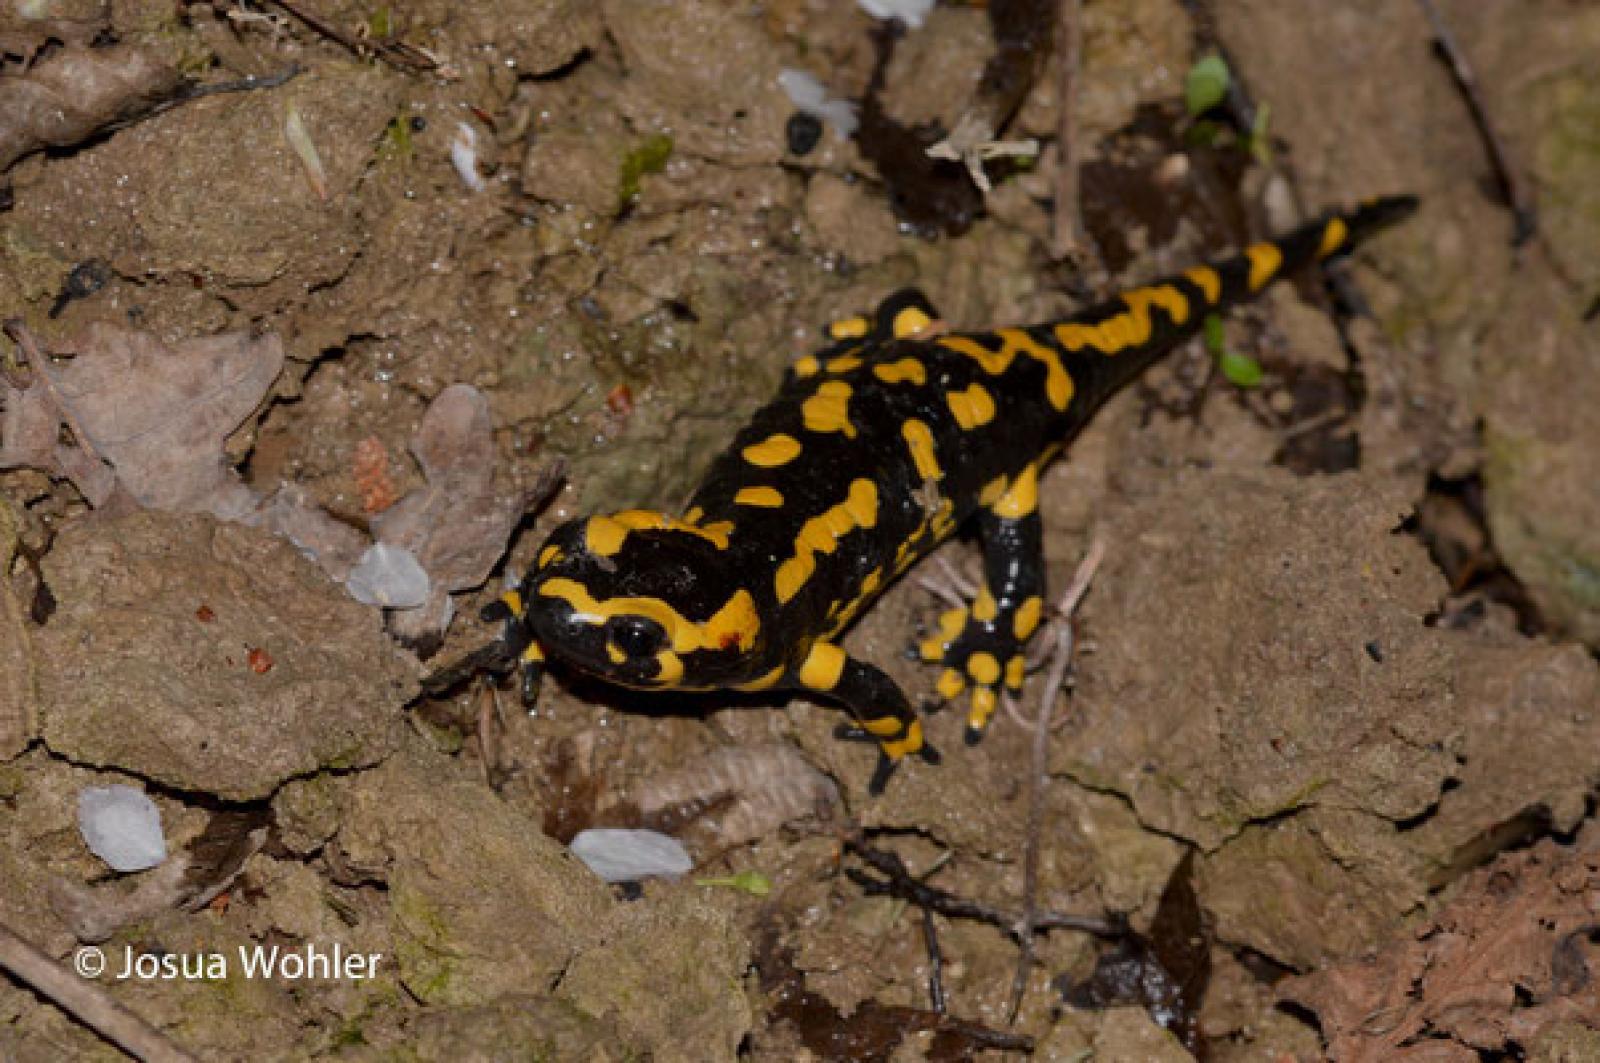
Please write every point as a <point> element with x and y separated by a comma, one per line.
<point>874,451</point>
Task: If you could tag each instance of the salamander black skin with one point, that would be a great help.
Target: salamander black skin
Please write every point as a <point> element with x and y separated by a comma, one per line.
<point>873,452</point>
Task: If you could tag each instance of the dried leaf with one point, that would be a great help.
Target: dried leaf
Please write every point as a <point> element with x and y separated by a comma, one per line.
<point>741,793</point>
<point>334,545</point>
<point>1164,972</point>
<point>457,526</point>
<point>68,96</point>
<point>1502,961</point>
<point>157,415</point>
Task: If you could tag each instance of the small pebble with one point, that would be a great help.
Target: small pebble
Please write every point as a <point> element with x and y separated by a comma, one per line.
<point>802,132</point>
<point>911,12</point>
<point>629,855</point>
<point>389,576</point>
<point>122,826</point>
<point>810,96</point>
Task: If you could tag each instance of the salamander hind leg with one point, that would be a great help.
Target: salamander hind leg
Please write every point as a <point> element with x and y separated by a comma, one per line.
<point>879,707</point>
<point>981,646</point>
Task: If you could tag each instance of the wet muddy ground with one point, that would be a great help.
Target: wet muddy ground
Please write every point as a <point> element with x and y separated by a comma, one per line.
<point>1331,747</point>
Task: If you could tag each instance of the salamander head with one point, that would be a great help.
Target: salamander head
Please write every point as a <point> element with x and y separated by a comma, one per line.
<point>644,600</point>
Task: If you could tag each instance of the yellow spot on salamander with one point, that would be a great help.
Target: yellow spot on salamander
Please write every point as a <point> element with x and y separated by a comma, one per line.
<point>1022,498</point>
<point>931,650</point>
<point>823,667</point>
<point>616,655</point>
<point>1057,384</point>
<point>1333,237</point>
<point>1165,296</point>
<point>906,369</point>
<point>821,535</point>
<point>909,744</point>
<point>533,653</point>
<point>909,322</point>
<point>983,702</point>
<point>829,409</point>
<point>1132,328</point>
<point>849,328</point>
<point>549,555</point>
<point>920,439</point>
<point>513,598</point>
<point>807,366</point>
<point>843,364</point>
<point>773,451</point>
<point>669,668</point>
<point>766,682</point>
<point>765,497</point>
<point>1264,262</point>
<point>883,726</point>
<point>1026,622</point>
<point>1016,671</point>
<point>983,668</point>
<point>604,535</point>
<point>846,612</point>
<point>972,407</point>
<point>951,684</point>
<point>984,607</point>
<point>951,622</point>
<point>994,490</point>
<point>735,624</point>
<point>1205,278</point>
<point>873,581</point>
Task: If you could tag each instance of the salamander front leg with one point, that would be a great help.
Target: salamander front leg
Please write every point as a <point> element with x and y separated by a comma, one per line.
<point>882,713</point>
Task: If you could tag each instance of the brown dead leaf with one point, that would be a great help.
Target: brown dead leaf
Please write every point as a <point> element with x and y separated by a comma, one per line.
<point>1501,962</point>
<point>148,419</point>
<point>457,526</point>
<point>69,95</point>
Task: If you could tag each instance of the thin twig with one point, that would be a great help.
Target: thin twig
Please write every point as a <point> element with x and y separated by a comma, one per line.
<point>396,53</point>
<point>191,92</point>
<point>86,1002</point>
<point>1523,216</point>
<point>930,934</point>
<point>1065,225</point>
<point>1032,840</point>
<point>898,882</point>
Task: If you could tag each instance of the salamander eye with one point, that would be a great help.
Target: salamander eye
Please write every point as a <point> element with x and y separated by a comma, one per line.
<point>636,636</point>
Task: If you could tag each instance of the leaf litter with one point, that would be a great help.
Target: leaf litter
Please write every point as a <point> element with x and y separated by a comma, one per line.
<point>1511,955</point>
<point>148,423</point>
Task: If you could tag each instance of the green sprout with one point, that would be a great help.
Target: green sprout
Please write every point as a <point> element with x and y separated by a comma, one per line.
<point>1241,370</point>
<point>752,882</point>
<point>397,144</point>
<point>1206,85</point>
<point>1257,143</point>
